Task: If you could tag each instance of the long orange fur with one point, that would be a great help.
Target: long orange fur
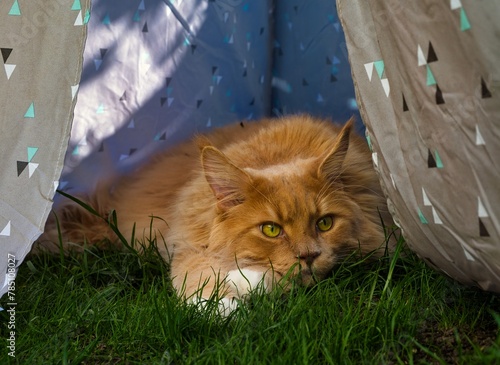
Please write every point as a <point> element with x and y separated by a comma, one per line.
<point>214,193</point>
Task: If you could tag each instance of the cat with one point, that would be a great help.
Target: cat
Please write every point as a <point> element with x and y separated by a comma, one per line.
<point>245,205</point>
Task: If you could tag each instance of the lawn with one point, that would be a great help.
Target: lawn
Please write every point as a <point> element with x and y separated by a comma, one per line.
<point>119,308</point>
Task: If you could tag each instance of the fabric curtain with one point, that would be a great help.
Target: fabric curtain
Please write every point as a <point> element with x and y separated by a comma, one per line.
<point>41,48</point>
<point>427,82</point>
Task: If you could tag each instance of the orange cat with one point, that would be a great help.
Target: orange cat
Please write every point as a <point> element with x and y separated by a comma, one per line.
<point>246,204</point>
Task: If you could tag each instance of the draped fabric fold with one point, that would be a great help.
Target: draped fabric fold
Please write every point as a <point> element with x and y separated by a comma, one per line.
<point>427,82</point>
<point>41,46</point>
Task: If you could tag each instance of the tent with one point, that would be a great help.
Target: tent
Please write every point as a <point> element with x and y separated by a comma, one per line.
<point>427,77</point>
<point>141,75</point>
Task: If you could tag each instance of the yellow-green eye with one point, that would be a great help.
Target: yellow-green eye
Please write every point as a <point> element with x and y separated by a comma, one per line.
<point>270,229</point>
<point>325,223</point>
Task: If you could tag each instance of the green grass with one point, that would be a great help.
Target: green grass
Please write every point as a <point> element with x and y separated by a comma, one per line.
<point>119,307</point>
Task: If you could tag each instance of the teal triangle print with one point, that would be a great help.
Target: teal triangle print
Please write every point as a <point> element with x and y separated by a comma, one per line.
<point>464,21</point>
<point>31,152</point>
<point>87,17</point>
<point>106,20</point>
<point>161,137</point>
<point>379,66</point>
<point>369,140</point>
<point>439,163</point>
<point>422,217</point>
<point>76,5</point>
<point>430,77</point>
<point>30,113</point>
<point>14,10</point>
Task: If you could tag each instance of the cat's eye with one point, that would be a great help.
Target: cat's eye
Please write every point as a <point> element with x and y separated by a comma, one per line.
<point>325,223</point>
<point>270,229</point>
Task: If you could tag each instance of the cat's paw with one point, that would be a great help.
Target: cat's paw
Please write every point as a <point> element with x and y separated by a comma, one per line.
<point>225,306</point>
<point>243,281</point>
<point>239,284</point>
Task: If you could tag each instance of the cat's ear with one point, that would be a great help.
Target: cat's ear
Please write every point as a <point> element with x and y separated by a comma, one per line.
<point>201,141</point>
<point>331,166</point>
<point>225,179</point>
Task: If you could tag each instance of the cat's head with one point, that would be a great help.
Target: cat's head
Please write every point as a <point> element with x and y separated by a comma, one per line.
<point>294,218</point>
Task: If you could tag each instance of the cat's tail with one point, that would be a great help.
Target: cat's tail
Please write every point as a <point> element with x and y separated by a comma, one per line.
<point>74,224</point>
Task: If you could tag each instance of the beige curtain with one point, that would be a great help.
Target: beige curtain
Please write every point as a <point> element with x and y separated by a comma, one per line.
<point>41,48</point>
<point>427,82</point>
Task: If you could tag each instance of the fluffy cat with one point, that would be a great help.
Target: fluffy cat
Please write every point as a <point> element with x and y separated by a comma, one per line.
<point>245,204</point>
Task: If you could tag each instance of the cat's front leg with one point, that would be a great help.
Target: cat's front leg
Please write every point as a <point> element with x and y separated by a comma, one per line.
<point>197,279</point>
<point>238,284</point>
<point>243,281</point>
<point>234,288</point>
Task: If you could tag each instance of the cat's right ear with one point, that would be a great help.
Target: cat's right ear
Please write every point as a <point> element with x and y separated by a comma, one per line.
<point>202,141</point>
<point>225,179</point>
<point>331,167</point>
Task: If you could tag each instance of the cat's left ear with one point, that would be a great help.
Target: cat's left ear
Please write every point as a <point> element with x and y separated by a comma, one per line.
<point>225,179</point>
<point>331,166</point>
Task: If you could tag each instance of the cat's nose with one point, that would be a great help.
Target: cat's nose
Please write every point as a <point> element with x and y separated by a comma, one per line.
<point>309,256</point>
